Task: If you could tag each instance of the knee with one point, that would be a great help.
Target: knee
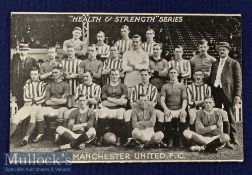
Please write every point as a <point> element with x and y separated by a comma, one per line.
<point>224,138</point>
<point>187,134</point>
<point>120,113</point>
<point>159,136</point>
<point>160,116</point>
<point>127,115</point>
<point>60,130</point>
<point>182,116</point>
<point>135,133</point>
<point>91,131</point>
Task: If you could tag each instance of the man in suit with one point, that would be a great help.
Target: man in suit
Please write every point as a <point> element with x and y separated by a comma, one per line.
<point>21,66</point>
<point>226,82</point>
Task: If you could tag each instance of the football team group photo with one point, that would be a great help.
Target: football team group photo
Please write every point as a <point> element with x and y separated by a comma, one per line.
<point>134,84</point>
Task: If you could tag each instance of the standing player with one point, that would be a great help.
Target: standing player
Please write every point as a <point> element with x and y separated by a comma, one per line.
<point>159,67</point>
<point>125,43</point>
<point>34,93</point>
<point>101,47</point>
<point>80,128</point>
<point>209,128</point>
<point>183,66</point>
<point>226,83</point>
<point>21,66</point>
<point>203,61</point>
<point>174,102</point>
<point>113,62</point>
<point>80,47</point>
<point>143,121</point>
<point>114,98</point>
<point>92,64</point>
<point>148,45</point>
<point>133,61</point>
<point>143,88</point>
<point>46,67</point>
<point>71,70</point>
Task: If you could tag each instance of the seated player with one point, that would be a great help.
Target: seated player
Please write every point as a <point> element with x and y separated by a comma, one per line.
<point>80,126</point>
<point>56,96</point>
<point>114,98</point>
<point>148,45</point>
<point>80,47</point>
<point>34,93</point>
<point>92,64</point>
<point>196,93</point>
<point>143,88</point>
<point>143,121</point>
<point>183,66</point>
<point>209,128</point>
<point>89,89</point>
<point>101,47</point>
<point>159,67</point>
<point>174,102</point>
<point>113,62</point>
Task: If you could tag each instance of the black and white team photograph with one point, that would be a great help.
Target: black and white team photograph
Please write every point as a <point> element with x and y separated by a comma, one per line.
<point>133,87</point>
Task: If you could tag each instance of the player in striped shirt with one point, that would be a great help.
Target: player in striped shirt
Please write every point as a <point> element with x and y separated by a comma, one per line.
<point>102,48</point>
<point>34,93</point>
<point>143,88</point>
<point>89,89</point>
<point>197,92</point>
<point>183,66</point>
<point>114,62</point>
<point>125,43</point>
<point>148,45</point>
<point>71,70</point>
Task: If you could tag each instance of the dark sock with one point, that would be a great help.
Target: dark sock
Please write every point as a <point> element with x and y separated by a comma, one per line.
<point>68,136</point>
<point>100,127</point>
<point>41,127</point>
<point>65,123</point>
<point>13,127</point>
<point>128,129</point>
<point>192,127</point>
<point>30,129</point>
<point>182,127</point>
<point>226,127</point>
<point>175,131</point>
<point>159,126</point>
<point>119,128</point>
<point>81,139</point>
<point>167,131</point>
<point>212,146</point>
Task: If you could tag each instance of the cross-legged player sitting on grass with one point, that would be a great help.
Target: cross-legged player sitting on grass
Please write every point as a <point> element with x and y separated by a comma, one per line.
<point>209,134</point>
<point>143,122</point>
<point>80,129</point>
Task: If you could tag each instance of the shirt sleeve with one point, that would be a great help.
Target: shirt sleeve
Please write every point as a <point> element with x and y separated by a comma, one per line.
<point>72,119</point>
<point>190,96</point>
<point>27,97</point>
<point>184,94</point>
<point>133,95</point>
<point>125,91</point>
<point>97,93</point>
<point>48,92</point>
<point>163,91</point>
<point>66,91</point>
<point>125,66</point>
<point>104,93</point>
<point>91,119</point>
<point>153,96</point>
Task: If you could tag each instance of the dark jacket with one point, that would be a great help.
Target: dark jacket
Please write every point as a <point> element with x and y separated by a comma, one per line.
<point>231,78</point>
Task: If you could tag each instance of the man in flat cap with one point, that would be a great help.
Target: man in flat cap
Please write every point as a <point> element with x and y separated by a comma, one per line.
<point>226,82</point>
<point>21,66</point>
<point>80,47</point>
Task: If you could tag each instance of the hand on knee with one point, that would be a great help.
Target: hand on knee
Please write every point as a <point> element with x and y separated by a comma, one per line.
<point>60,130</point>
<point>224,138</point>
<point>158,136</point>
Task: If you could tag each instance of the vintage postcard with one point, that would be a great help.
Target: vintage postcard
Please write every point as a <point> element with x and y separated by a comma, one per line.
<point>126,87</point>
